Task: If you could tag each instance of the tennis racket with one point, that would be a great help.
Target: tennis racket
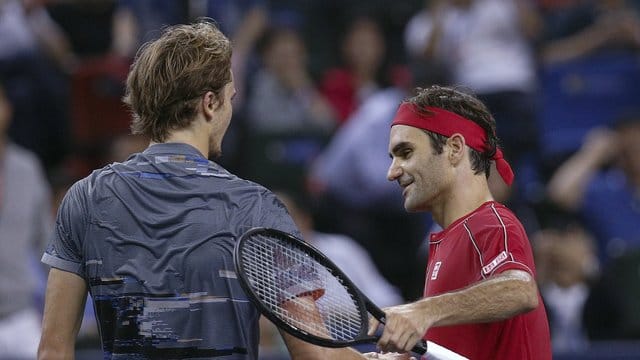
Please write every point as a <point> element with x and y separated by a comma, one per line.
<point>304,293</point>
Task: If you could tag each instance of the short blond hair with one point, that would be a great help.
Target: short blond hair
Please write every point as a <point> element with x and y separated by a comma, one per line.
<point>169,74</point>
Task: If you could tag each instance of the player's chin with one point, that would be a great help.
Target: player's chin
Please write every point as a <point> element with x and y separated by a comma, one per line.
<point>410,206</point>
<point>415,205</point>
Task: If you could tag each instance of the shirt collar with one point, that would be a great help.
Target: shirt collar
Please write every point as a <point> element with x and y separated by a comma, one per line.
<point>439,236</point>
<point>173,148</point>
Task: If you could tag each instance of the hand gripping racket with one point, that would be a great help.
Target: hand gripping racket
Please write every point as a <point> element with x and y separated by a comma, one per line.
<point>305,294</point>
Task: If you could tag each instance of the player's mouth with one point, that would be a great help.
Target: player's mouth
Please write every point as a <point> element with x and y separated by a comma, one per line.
<point>405,188</point>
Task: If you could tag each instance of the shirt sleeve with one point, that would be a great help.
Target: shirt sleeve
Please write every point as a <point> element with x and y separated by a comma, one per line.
<point>275,215</point>
<point>261,208</point>
<point>503,246</point>
<point>64,250</point>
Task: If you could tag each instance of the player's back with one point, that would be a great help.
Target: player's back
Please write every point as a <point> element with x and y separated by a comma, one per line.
<point>158,254</point>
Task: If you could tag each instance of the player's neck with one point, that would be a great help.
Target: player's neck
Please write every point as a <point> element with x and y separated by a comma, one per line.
<point>466,196</point>
<point>195,135</point>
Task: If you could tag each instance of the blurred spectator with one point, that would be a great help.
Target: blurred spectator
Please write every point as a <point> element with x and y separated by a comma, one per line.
<point>245,22</point>
<point>602,183</point>
<point>137,21</point>
<point>352,167</point>
<point>287,121</point>
<point>581,28</point>
<point>35,57</point>
<point>611,311</point>
<point>284,97</point>
<point>228,14</point>
<point>27,28</point>
<point>25,222</point>
<point>87,23</point>
<point>488,46</point>
<point>362,71</point>
<point>244,38</point>
<point>567,265</point>
<point>326,22</point>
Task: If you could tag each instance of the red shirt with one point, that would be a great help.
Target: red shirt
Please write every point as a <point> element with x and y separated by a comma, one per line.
<point>486,242</point>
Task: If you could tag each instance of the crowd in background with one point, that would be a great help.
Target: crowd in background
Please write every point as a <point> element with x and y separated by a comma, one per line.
<point>318,83</point>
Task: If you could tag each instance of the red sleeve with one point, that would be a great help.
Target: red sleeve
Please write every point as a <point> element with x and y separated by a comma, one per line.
<point>503,245</point>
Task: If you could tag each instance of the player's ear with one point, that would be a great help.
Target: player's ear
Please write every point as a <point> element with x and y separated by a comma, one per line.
<point>456,148</point>
<point>210,103</point>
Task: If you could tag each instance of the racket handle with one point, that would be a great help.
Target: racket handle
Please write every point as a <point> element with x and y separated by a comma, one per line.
<point>420,347</point>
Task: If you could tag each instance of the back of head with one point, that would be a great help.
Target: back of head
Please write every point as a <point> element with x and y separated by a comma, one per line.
<point>170,74</point>
<point>467,106</point>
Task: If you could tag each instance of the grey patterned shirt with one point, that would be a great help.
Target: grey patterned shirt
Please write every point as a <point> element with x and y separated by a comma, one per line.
<point>154,237</point>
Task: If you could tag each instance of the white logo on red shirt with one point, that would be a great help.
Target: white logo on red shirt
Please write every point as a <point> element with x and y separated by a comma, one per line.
<point>436,268</point>
<point>495,262</point>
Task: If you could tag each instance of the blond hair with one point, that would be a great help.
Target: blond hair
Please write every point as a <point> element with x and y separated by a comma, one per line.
<point>169,75</point>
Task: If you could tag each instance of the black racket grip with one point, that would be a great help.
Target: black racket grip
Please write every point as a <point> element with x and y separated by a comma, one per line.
<point>420,347</point>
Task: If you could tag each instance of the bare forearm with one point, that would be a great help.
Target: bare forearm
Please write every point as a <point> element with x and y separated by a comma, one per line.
<point>568,184</point>
<point>55,353</point>
<point>495,299</point>
<point>64,304</point>
<point>574,46</point>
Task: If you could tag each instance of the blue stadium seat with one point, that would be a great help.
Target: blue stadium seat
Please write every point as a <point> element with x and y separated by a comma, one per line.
<point>584,93</point>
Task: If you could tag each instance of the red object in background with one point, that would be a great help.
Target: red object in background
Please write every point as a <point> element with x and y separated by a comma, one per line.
<point>339,89</point>
<point>97,110</point>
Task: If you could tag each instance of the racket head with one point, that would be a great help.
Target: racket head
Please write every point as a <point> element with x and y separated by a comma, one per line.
<point>277,270</point>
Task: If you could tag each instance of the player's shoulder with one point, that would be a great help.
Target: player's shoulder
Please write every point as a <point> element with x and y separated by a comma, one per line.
<point>490,214</point>
<point>249,194</point>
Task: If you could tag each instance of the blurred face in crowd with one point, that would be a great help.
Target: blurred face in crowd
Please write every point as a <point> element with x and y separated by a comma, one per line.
<point>422,174</point>
<point>286,53</point>
<point>364,46</point>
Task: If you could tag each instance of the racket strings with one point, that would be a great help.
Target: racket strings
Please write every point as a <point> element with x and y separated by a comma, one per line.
<point>299,290</point>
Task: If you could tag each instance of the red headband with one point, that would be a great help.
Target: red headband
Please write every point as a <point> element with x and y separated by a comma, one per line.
<point>447,123</point>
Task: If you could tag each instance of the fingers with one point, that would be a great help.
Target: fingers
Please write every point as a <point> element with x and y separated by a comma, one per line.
<point>373,326</point>
<point>400,341</point>
<point>402,331</point>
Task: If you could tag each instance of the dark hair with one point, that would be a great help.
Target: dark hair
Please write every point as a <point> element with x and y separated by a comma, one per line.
<point>467,106</point>
<point>170,74</point>
<point>626,119</point>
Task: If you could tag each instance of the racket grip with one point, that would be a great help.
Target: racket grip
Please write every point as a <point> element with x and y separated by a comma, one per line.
<point>420,347</point>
